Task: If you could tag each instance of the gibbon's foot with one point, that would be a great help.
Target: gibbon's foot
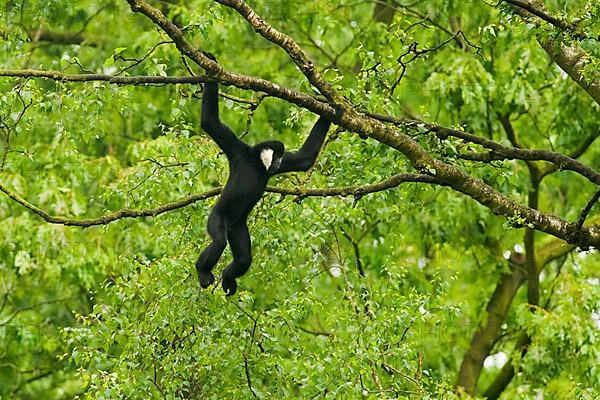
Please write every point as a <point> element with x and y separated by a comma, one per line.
<point>229,286</point>
<point>206,278</point>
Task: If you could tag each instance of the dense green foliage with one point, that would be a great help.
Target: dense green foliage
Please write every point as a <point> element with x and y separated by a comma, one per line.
<point>377,296</point>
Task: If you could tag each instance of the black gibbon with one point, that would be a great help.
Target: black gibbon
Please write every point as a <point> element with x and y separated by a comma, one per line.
<point>250,168</point>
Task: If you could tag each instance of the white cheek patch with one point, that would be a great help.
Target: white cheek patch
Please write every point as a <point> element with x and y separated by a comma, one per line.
<point>266,156</point>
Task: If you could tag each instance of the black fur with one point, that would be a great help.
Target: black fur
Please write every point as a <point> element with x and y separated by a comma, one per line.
<point>247,181</point>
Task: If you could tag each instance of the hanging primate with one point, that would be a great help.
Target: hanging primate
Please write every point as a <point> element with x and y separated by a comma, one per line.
<point>250,168</point>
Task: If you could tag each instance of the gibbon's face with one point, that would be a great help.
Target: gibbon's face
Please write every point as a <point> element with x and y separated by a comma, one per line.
<point>270,155</point>
<point>269,159</point>
<point>266,156</point>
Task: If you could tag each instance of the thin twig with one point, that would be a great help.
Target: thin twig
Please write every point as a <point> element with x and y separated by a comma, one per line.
<point>344,191</point>
<point>586,210</point>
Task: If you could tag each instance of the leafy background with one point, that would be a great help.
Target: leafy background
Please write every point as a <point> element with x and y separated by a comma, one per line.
<point>114,311</point>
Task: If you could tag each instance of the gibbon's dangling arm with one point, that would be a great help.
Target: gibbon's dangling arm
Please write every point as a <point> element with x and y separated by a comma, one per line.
<point>210,122</point>
<point>304,158</point>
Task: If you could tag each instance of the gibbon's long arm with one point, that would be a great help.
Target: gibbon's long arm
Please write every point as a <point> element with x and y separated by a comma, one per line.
<point>304,158</point>
<point>210,122</point>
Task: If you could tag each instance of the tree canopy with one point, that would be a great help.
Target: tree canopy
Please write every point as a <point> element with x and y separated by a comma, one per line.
<point>444,245</point>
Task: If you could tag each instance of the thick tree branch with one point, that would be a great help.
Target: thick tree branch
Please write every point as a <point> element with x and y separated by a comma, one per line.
<point>124,213</point>
<point>499,152</point>
<point>298,56</point>
<point>459,180</point>
<point>488,333</point>
<point>560,161</point>
<point>117,80</point>
<point>228,78</point>
<point>507,372</point>
<point>546,16</point>
<point>578,152</point>
<point>572,59</point>
<point>497,309</point>
<point>357,191</point>
<point>523,269</point>
<point>533,281</point>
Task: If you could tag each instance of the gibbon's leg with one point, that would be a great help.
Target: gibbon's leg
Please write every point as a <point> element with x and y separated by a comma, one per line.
<point>239,242</point>
<point>217,227</point>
